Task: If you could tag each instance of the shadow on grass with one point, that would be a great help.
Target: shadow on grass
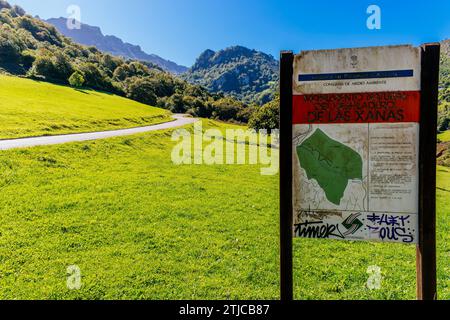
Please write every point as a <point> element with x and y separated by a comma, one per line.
<point>81,90</point>
<point>85,90</point>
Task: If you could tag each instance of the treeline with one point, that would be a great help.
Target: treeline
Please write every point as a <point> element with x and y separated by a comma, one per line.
<point>444,90</point>
<point>32,48</point>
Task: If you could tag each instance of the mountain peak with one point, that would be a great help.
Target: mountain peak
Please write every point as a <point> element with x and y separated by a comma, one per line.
<point>93,36</point>
<point>203,60</point>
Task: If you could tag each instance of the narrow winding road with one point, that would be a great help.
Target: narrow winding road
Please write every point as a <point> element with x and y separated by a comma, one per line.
<point>180,120</point>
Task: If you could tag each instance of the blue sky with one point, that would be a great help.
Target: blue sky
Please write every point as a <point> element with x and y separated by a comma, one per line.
<point>180,30</point>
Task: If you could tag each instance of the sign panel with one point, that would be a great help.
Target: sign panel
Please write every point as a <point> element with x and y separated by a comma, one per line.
<point>356,115</point>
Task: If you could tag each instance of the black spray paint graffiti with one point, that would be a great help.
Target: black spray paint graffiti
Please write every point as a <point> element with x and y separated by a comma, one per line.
<point>391,227</point>
<point>384,227</point>
<point>324,230</point>
<point>318,230</point>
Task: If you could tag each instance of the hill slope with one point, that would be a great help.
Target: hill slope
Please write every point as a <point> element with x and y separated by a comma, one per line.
<point>93,36</point>
<point>32,108</point>
<point>33,48</point>
<point>248,75</point>
<point>444,92</point>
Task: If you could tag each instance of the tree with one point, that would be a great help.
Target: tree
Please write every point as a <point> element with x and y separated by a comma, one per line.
<point>141,90</point>
<point>267,117</point>
<point>110,62</point>
<point>9,50</point>
<point>27,59</point>
<point>62,66</point>
<point>444,124</point>
<point>94,78</point>
<point>11,45</point>
<point>227,109</point>
<point>43,66</point>
<point>76,79</point>
<point>176,104</point>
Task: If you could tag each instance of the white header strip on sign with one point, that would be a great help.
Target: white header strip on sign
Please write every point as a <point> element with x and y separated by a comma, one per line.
<point>357,70</point>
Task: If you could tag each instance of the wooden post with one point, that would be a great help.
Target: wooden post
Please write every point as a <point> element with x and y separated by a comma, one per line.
<point>286,206</point>
<point>426,250</point>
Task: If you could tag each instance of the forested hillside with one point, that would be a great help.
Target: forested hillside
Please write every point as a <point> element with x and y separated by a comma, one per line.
<point>444,90</point>
<point>32,48</point>
<point>245,74</point>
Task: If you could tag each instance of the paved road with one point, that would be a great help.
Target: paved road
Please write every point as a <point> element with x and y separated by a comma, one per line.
<point>180,120</point>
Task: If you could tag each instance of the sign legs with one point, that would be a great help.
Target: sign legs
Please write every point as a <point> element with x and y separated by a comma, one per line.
<point>426,250</point>
<point>286,218</point>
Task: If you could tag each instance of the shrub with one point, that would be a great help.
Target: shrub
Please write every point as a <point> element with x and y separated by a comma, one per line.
<point>76,79</point>
<point>444,124</point>
<point>94,78</point>
<point>266,117</point>
<point>43,66</point>
<point>27,59</point>
<point>176,104</point>
<point>141,90</point>
<point>62,66</point>
<point>228,109</point>
<point>11,45</point>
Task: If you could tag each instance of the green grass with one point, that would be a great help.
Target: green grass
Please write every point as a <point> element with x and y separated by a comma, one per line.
<point>32,108</point>
<point>338,270</point>
<point>140,227</point>
<point>445,136</point>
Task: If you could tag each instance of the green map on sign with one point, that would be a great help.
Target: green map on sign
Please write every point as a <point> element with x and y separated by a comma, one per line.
<point>331,163</point>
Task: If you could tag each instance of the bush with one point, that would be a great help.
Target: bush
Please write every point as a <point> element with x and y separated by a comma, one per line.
<point>229,109</point>
<point>10,45</point>
<point>141,90</point>
<point>94,78</point>
<point>266,117</point>
<point>62,66</point>
<point>76,79</point>
<point>9,50</point>
<point>111,63</point>
<point>176,104</point>
<point>27,59</point>
<point>40,30</point>
<point>54,67</point>
<point>43,66</point>
<point>444,125</point>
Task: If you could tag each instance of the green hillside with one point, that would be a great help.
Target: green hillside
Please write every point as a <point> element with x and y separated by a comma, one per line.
<point>32,108</point>
<point>118,209</point>
<point>245,74</point>
<point>35,49</point>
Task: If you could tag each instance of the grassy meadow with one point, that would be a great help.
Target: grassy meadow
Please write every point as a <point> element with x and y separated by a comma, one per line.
<point>338,270</point>
<point>33,108</point>
<point>140,227</point>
